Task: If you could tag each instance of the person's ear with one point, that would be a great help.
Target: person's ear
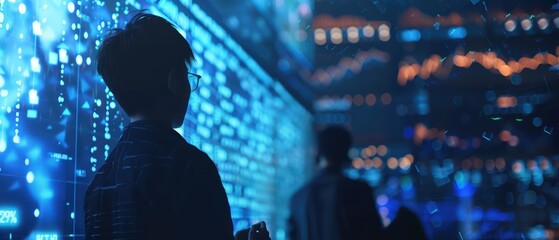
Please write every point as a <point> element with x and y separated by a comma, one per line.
<point>175,81</point>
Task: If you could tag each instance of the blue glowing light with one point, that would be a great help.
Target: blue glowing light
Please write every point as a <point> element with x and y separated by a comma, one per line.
<point>457,32</point>
<point>410,35</point>
<point>460,179</point>
<point>408,132</point>
<point>30,177</point>
<point>8,217</point>
<point>46,236</point>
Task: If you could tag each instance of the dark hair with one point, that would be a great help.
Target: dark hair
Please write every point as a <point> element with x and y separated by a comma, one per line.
<point>334,143</point>
<point>135,61</point>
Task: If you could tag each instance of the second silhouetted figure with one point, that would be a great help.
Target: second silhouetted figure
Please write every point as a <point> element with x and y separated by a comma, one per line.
<point>332,206</point>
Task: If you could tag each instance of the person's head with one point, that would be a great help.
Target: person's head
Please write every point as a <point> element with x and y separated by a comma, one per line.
<point>333,146</point>
<point>145,65</point>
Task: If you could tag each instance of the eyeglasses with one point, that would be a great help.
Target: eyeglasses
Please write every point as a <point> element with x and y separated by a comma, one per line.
<point>193,79</point>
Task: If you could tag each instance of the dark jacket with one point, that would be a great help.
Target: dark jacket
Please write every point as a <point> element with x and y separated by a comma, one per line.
<point>334,207</point>
<point>406,225</point>
<point>155,185</point>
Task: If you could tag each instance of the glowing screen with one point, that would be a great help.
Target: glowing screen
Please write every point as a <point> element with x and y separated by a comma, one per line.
<point>58,121</point>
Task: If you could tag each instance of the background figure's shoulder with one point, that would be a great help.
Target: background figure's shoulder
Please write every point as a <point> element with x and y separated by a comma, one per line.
<point>356,182</point>
<point>356,185</point>
<point>300,194</point>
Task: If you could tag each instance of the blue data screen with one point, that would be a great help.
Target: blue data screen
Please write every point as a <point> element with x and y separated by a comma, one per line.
<point>58,120</point>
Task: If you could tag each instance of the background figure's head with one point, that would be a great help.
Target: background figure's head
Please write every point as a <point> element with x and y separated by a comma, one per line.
<point>333,146</point>
<point>145,65</point>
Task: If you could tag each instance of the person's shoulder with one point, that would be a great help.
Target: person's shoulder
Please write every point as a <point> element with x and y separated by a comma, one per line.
<point>196,157</point>
<point>407,214</point>
<point>185,148</point>
<point>356,184</point>
<point>300,193</point>
<point>303,188</point>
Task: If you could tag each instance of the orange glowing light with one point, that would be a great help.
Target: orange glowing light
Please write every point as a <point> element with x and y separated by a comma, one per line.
<point>498,63</point>
<point>488,60</point>
<point>482,57</point>
<point>357,163</point>
<point>436,62</point>
<point>358,100</point>
<point>410,73</point>
<point>403,75</point>
<point>368,164</point>
<point>386,98</point>
<point>505,70</point>
<point>365,153</point>
<point>515,66</point>
<point>528,63</point>
<point>410,157</point>
<point>539,58</point>
<point>382,150</point>
<point>401,79</point>
<point>370,99</point>
<point>335,72</point>
<point>471,56</point>
<point>500,164</point>
<point>420,133</point>
<point>505,135</point>
<point>416,69</point>
<point>377,162</point>
<point>405,163</point>
<point>544,164</point>
<point>372,150</point>
<point>551,59</point>
<point>490,165</point>
<point>513,141</point>
<point>392,163</point>
<point>517,167</point>
<point>531,164</point>
<point>354,66</point>
<point>462,61</point>
<point>506,101</point>
<point>551,233</point>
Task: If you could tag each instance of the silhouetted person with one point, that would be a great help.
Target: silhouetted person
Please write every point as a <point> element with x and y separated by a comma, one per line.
<point>332,206</point>
<point>406,225</point>
<point>154,184</point>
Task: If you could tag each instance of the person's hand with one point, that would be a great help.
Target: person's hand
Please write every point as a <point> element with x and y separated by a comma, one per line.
<point>258,231</point>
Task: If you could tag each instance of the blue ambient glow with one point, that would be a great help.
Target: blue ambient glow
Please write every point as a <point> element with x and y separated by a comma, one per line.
<point>58,121</point>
